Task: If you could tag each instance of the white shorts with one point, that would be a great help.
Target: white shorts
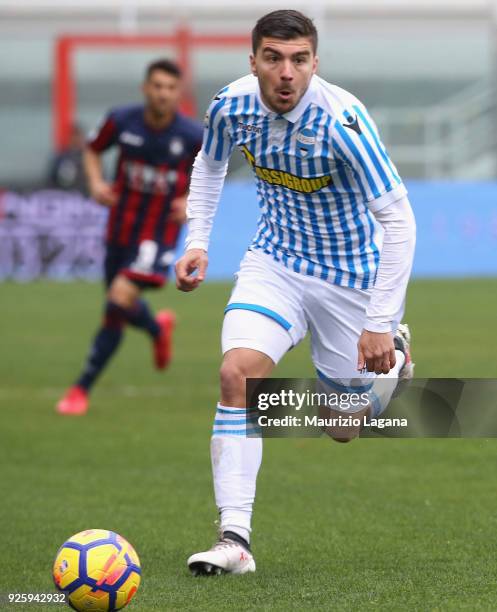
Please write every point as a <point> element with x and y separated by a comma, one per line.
<point>271,309</point>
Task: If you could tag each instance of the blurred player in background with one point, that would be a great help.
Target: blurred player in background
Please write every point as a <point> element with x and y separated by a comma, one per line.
<point>147,201</point>
<point>66,167</point>
<point>325,183</point>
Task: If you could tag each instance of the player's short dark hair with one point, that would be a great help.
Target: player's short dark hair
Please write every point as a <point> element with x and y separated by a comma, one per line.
<point>286,25</point>
<point>164,65</point>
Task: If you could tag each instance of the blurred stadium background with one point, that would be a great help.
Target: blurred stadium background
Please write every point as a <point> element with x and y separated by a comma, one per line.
<point>427,71</point>
<point>407,524</point>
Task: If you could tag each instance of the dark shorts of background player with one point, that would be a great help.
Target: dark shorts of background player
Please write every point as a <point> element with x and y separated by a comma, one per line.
<point>123,260</point>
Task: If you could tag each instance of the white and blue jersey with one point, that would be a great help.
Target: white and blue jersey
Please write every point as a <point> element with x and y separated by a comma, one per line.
<point>321,171</point>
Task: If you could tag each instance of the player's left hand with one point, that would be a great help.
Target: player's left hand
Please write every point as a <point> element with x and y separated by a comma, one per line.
<point>178,210</point>
<point>376,352</point>
<point>191,269</point>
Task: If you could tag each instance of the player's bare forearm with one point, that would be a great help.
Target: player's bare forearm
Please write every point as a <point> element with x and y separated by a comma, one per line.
<point>92,165</point>
<point>100,191</point>
<point>376,352</point>
<point>191,269</point>
<point>178,210</point>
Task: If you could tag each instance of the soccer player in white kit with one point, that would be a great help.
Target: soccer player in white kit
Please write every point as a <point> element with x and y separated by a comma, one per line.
<point>332,253</point>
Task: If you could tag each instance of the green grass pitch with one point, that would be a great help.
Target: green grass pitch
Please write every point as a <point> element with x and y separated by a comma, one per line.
<point>377,524</point>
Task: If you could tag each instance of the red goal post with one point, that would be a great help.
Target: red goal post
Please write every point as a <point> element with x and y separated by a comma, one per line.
<point>64,104</point>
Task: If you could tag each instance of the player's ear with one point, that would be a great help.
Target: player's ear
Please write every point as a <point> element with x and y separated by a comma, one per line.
<point>315,63</point>
<point>252,64</point>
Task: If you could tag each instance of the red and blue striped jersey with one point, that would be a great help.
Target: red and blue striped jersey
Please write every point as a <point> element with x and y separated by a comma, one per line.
<point>153,168</point>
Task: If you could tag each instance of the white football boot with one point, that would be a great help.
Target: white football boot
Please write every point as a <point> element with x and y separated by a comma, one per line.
<point>402,343</point>
<point>227,556</point>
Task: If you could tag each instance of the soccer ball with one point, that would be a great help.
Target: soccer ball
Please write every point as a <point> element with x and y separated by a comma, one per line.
<point>98,570</point>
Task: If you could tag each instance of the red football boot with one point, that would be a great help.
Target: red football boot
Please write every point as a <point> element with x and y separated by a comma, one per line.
<point>75,401</point>
<point>163,344</point>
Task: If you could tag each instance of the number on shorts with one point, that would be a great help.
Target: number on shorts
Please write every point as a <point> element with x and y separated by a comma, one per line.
<point>167,258</point>
<point>147,253</point>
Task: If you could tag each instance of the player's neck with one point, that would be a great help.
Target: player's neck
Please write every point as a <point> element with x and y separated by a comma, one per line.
<point>158,122</point>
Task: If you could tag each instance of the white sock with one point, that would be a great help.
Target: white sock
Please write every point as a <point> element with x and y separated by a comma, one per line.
<point>236,459</point>
<point>384,386</point>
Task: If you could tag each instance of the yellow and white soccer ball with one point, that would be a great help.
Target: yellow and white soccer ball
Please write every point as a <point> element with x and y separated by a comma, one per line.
<point>98,570</point>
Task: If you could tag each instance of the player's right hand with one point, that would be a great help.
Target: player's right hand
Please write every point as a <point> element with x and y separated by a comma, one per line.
<point>376,352</point>
<point>103,193</point>
<point>194,260</point>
